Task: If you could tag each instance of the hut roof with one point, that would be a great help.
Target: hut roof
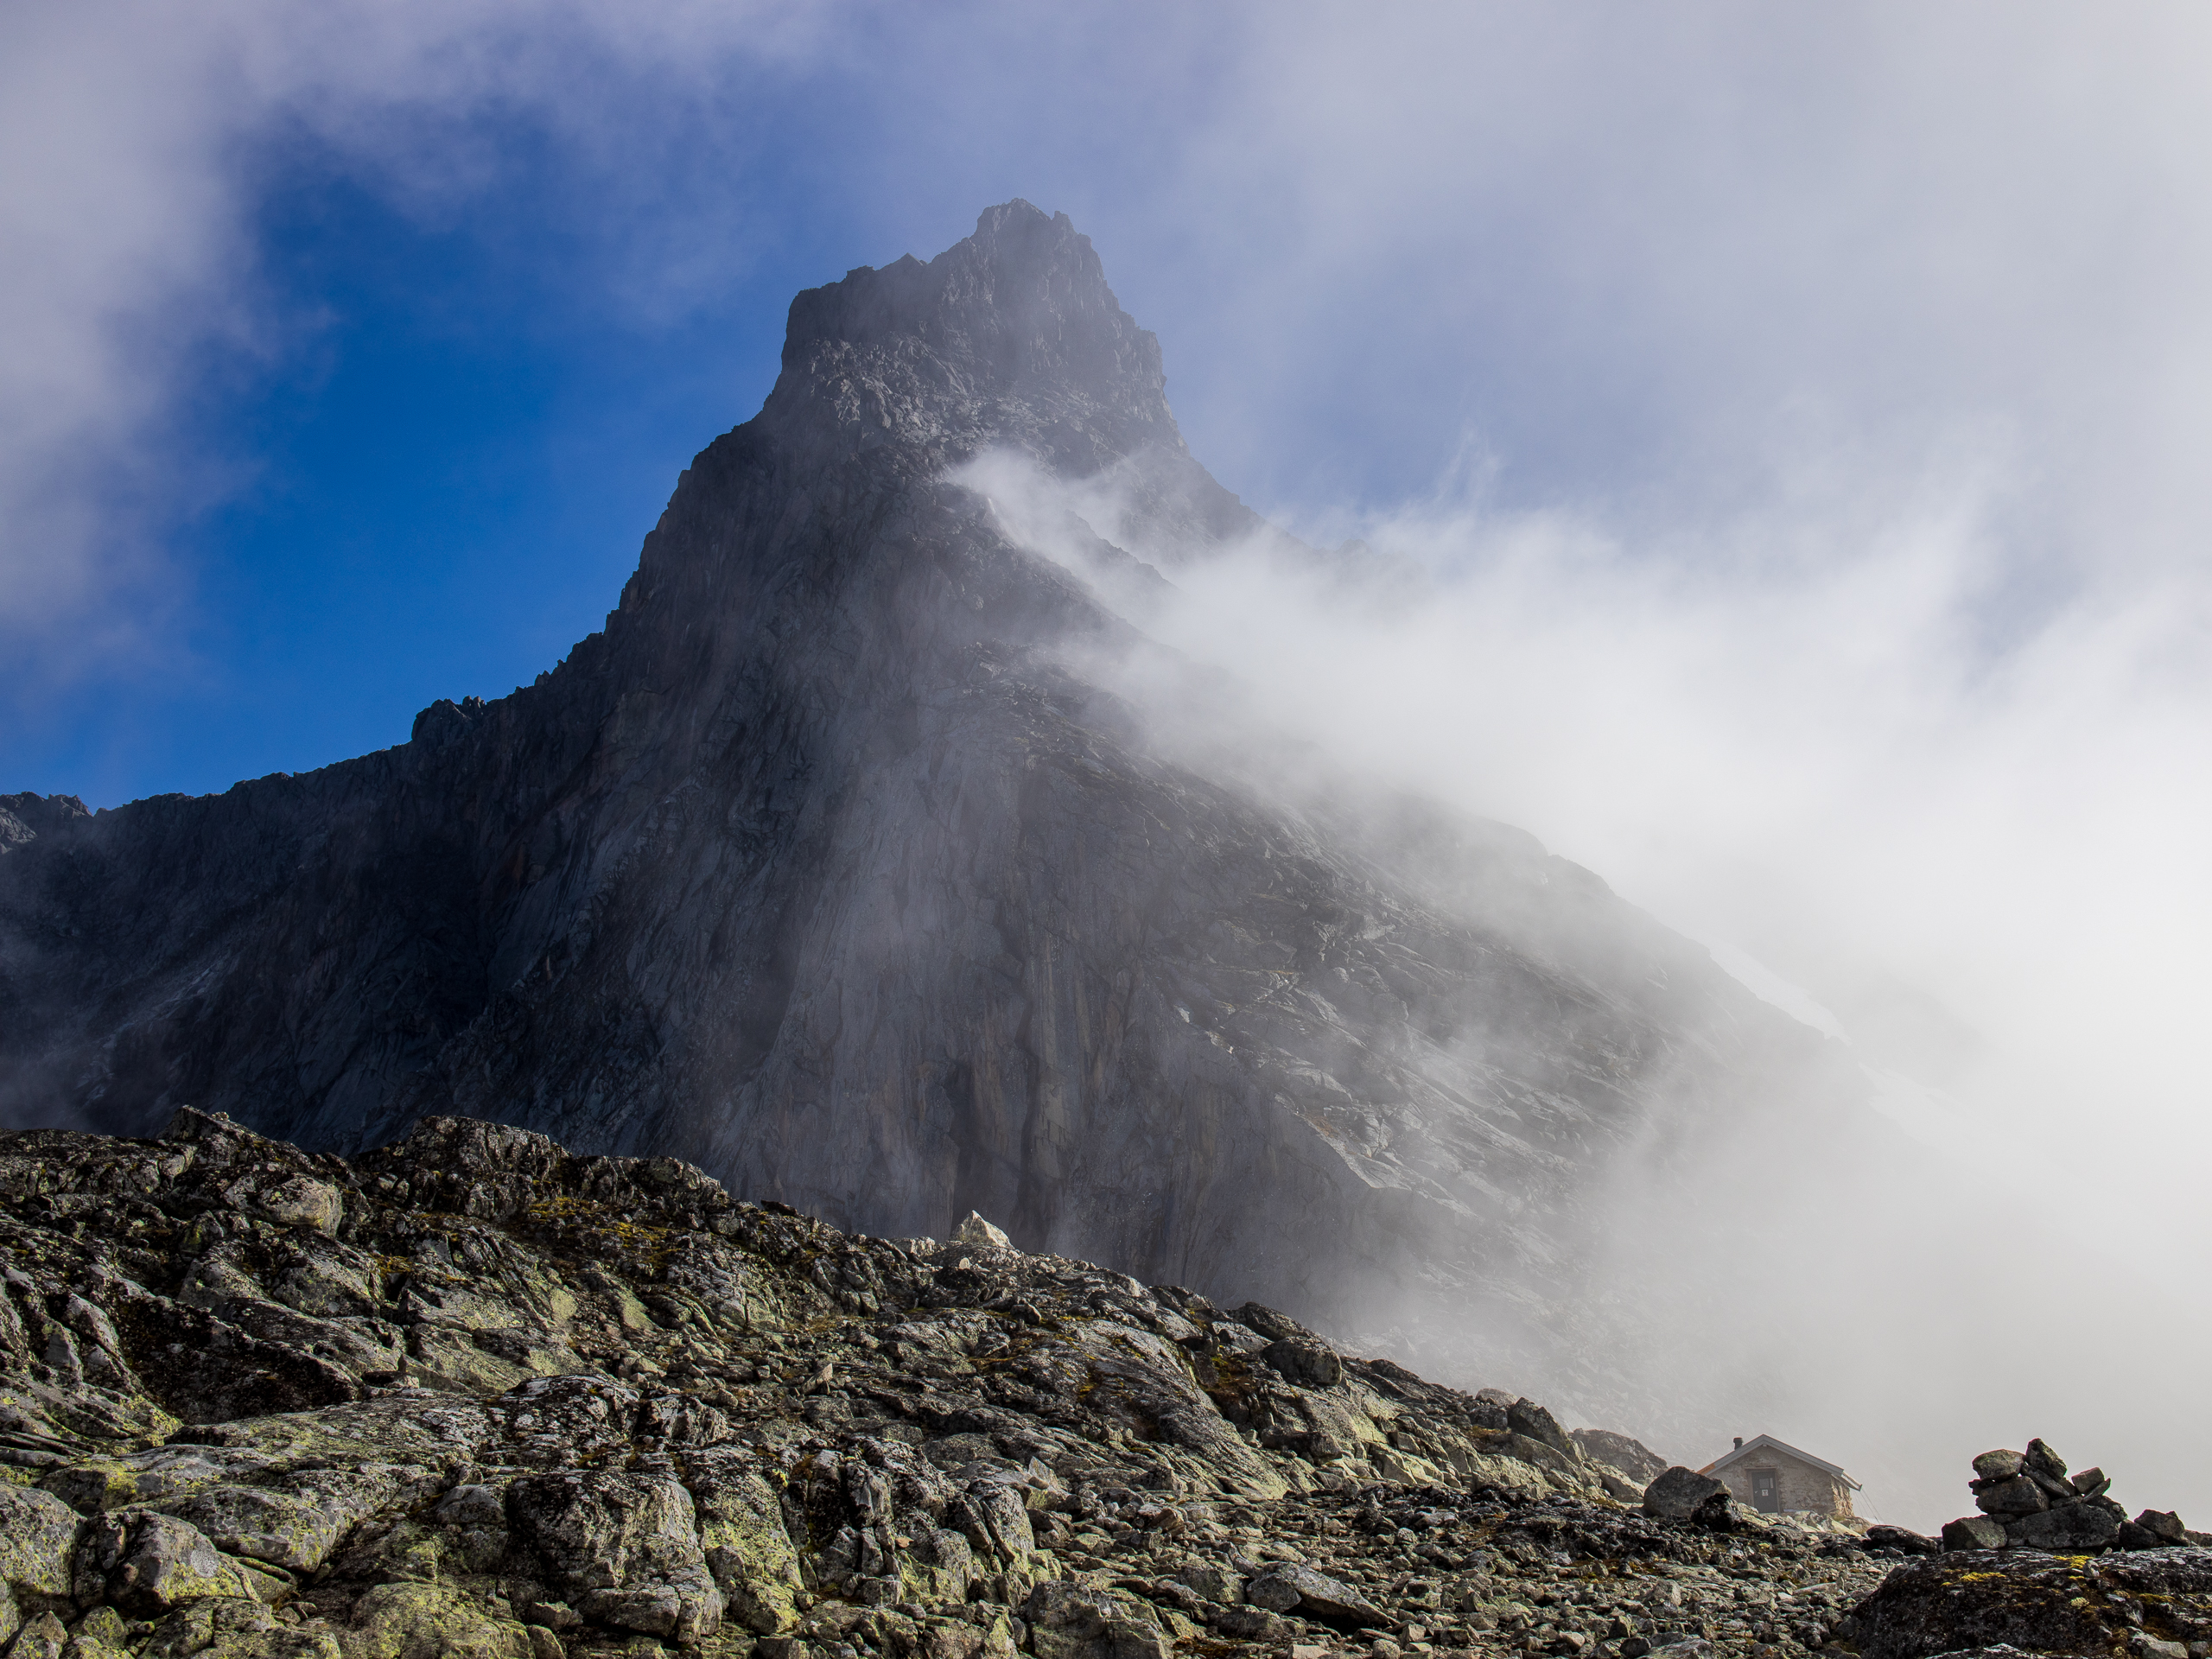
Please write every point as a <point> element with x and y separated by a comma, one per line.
<point>1768,1443</point>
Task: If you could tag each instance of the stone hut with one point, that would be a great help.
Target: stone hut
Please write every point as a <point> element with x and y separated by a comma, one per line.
<point>1766,1474</point>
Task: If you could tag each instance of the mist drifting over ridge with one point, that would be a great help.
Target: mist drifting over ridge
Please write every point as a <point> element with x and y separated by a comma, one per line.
<point>1829,565</point>
<point>1794,738</point>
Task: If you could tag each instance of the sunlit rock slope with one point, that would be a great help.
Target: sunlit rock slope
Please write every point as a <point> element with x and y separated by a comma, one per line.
<point>469,1394</point>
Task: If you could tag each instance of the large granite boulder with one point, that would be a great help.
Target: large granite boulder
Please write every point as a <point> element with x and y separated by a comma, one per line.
<point>624,1547</point>
<point>1685,1495</point>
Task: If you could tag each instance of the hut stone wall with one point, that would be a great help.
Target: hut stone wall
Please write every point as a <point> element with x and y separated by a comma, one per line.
<point>1799,1485</point>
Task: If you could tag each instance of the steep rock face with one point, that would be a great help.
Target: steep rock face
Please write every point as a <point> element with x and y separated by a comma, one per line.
<point>822,868</point>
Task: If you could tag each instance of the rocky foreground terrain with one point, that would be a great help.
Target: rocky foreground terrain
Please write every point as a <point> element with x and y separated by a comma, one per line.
<point>470,1395</point>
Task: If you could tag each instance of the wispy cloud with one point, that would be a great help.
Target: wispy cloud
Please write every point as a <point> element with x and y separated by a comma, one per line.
<point>137,138</point>
<point>1792,731</point>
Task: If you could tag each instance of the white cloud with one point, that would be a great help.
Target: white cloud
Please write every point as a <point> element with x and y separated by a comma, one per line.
<point>133,136</point>
<point>1791,733</point>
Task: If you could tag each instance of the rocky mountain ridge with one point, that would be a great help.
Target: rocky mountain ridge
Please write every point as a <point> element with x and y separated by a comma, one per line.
<point>824,868</point>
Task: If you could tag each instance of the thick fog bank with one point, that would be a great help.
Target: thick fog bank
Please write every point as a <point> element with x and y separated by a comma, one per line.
<point>1952,837</point>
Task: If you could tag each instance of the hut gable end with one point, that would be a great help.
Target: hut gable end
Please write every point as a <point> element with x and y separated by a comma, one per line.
<point>1764,1473</point>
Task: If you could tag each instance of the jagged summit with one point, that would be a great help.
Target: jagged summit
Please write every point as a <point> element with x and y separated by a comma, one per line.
<point>1017,317</point>
<point>1010,338</point>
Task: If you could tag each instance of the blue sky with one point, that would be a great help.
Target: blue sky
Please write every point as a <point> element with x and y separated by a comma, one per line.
<point>356,347</point>
<point>414,451</point>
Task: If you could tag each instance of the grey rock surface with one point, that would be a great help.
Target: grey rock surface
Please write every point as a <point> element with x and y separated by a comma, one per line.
<point>1998,1465</point>
<point>2036,1602</point>
<point>1291,1586</point>
<point>1018,1451</point>
<point>1685,1495</point>
<point>38,1541</point>
<point>825,868</point>
<point>1974,1532</point>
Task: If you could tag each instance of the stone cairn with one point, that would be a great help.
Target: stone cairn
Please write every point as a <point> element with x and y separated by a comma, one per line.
<point>2028,1501</point>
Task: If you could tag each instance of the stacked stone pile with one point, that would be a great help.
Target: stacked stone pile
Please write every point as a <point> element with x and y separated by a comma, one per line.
<point>2028,1501</point>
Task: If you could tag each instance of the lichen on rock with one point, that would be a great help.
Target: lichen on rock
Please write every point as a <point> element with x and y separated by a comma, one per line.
<point>775,1438</point>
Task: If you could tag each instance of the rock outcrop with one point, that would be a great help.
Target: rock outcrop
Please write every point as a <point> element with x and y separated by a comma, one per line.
<point>470,1395</point>
<point>824,869</point>
<point>2153,1606</point>
<point>23,816</point>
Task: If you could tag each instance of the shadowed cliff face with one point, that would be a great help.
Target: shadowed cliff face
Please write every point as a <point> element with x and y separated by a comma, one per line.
<point>822,869</point>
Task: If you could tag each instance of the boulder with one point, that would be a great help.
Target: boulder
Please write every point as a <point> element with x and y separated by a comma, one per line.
<point>974,1233</point>
<point>746,1548</point>
<point>2058,1487</point>
<point>103,1627</point>
<point>427,1621</point>
<point>1273,1324</point>
<point>2041,1459</point>
<point>1881,1536</point>
<point>996,1522</point>
<point>1252,1624</point>
<point>296,1523</point>
<point>2018,1495</point>
<point>1212,1580</point>
<point>1072,1620</point>
<point>233,1630</point>
<point>164,1563</point>
<point>1627,1457</point>
<point>1527,1417</point>
<point>1540,1454</point>
<point>44,1637</point>
<point>290,1200</point>
<point>2164,1525</point>
<point>624,1547</point>
<point>38,1537</point>
<point>1974,1532</point>
<point>1685,1495</point>
<point>2069,1526</point>
<point>1289,1586</point>
<point>1998,1465</point>
<point>1303,1361</point>
<point>1618,1487</point>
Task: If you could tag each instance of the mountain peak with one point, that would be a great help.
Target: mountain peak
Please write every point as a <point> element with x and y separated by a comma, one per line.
<point>1010,336</point>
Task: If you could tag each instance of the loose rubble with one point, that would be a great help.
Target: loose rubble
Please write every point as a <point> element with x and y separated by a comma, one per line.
<point>471,1397</point>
